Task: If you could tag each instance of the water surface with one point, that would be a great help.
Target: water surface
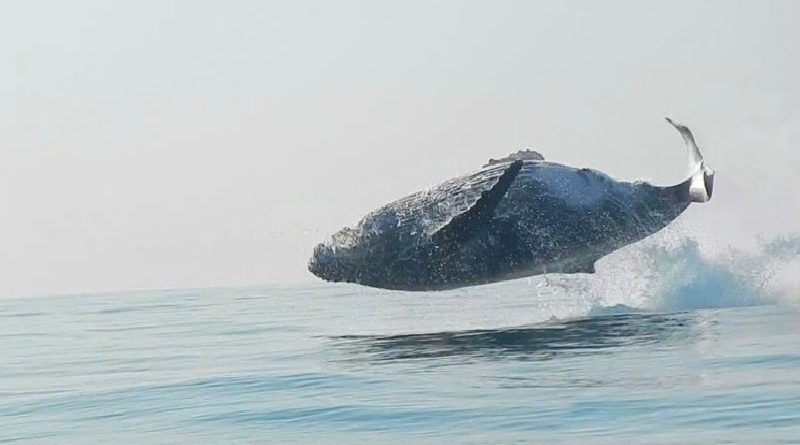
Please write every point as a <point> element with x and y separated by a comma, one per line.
<point>551,361</point>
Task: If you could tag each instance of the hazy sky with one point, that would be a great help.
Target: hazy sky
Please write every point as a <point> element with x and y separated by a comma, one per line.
<point>154,144</point>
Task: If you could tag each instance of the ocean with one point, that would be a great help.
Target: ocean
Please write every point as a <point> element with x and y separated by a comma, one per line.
<point>662,346</point>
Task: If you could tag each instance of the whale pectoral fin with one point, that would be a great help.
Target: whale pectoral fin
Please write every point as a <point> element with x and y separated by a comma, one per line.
<point>463,225</point>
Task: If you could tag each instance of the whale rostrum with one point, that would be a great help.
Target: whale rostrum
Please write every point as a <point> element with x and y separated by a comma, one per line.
<point>516,216</point>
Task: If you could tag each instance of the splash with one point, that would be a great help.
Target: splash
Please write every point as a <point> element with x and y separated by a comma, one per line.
<point>672,273</point>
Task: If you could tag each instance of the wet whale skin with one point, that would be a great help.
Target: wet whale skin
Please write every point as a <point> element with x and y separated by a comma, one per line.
<point>515,217</point>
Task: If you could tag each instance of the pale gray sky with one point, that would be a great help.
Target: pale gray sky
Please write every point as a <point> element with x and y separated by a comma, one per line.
<point>155,144</point>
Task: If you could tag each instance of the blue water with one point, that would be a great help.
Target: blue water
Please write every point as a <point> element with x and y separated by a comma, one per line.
<point>700,355</point>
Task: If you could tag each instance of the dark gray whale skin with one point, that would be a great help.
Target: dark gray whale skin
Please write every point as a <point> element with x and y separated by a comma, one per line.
<point>515,217</point>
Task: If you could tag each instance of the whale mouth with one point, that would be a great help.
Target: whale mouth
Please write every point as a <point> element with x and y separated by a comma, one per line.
<point>326,264</point>
<point>319,259</point>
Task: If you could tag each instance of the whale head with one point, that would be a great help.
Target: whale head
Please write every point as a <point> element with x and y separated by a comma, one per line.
<point>325,264</point>
<point>333,260</point>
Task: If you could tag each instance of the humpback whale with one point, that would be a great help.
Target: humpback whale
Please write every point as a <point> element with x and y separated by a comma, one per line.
<point>517,216</point>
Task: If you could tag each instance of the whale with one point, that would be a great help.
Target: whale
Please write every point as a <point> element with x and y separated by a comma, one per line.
<point>516,216</point>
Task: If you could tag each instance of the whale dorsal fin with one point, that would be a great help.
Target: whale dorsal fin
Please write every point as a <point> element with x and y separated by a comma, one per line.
<point>464,224</point>
<point>522,155</point>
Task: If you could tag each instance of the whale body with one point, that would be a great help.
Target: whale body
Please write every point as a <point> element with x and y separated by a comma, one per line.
<point>517,216</point>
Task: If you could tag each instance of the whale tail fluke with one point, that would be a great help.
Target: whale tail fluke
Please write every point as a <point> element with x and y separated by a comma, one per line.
<point>701,177</point>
